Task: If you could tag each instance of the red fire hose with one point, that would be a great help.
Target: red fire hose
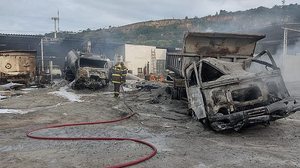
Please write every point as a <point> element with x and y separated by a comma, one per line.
<point>126,164</point>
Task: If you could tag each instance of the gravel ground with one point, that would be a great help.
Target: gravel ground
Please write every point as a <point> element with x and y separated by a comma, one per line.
<point>180,140</point>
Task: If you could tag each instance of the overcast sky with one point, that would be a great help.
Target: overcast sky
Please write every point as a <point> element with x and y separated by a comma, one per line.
<point>33,16</point>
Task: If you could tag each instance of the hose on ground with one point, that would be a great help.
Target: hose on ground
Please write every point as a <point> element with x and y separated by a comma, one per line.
<point>30,134</point>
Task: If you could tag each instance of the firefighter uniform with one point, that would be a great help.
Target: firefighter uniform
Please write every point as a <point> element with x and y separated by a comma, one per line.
<point>118,77</point>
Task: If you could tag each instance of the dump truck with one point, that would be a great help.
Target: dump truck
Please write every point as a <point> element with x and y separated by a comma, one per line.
<point>87,70</point>
<point>17,66</point>
<point>226,86</point>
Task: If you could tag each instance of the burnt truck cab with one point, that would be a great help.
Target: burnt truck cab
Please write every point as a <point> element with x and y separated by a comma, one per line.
<point>88,70</point>
<point>93,67</point>
<point>92,73</point>
<point>228,88</point>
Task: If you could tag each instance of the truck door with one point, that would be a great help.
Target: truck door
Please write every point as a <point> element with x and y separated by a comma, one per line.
<point>194,94</point>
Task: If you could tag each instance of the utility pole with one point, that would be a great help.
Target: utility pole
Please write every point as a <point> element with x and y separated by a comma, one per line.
<point>285,43</point>
<point>51,70</point>
<point>89,47</point>
<point>42,54</point>
<point>56,22</point>
<point>284,51</point>
<point>47,40</point>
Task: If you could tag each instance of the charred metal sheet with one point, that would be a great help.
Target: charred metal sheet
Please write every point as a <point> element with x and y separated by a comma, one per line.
<point>179,83</point>
<point>196,102</point>
<point>220,44</point>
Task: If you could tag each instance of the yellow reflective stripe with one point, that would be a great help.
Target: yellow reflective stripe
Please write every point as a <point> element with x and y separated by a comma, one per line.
<point>124,74</point>
<point>116,75</point>
<point>115,82</point>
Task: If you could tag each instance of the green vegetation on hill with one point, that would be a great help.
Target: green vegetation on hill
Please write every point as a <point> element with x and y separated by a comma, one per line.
<point>169,33</point>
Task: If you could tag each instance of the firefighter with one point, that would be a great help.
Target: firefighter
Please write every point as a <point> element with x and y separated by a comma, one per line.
<point>118,77</point>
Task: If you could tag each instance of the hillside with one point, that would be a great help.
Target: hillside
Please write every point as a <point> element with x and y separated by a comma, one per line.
<point>169,32</point>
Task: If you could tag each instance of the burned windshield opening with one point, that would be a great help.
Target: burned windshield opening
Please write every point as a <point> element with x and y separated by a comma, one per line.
<point>84,62</point>
<point>209,73</point>
<point>258,66</point>
<point>261,63</point>
<point>193,79</point>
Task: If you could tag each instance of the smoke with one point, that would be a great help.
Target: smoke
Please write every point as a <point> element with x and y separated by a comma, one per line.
<point>290,63</point>
<point>209,29</point>
<point>271,26</point>
<point>262,21</point>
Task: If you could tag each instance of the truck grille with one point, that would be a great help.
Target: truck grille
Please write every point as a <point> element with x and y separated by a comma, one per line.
<point>256,112</point>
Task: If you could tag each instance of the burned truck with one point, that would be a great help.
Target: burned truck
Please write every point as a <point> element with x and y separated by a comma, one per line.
<point>226,86</point>
<point>87,70</point>
<point>17,66</point>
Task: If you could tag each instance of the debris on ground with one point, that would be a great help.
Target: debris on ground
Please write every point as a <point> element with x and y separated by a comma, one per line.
<point>2,97</point>
<point>10,93</point>
<point>161,120</point>
<point>147,85</point>
<point>11,85</point>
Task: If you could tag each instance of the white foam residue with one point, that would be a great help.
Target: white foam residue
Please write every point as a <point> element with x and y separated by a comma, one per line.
<point>127,89</point>
<point>62,92</point>
<point>29,89</point>
<point>11,111</point>
<point>200,165</point>
<point>24,111</point>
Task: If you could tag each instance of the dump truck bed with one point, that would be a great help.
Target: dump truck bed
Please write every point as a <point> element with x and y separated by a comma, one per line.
<point>223,46</point>
<point>17,66</point>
